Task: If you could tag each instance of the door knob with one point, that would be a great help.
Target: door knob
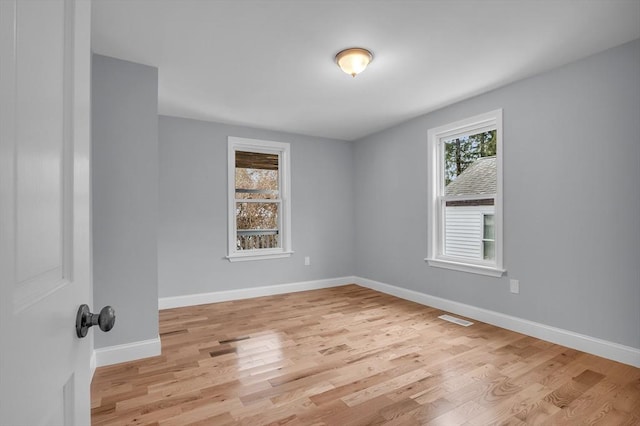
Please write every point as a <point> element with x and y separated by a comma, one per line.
<point>85,319</point>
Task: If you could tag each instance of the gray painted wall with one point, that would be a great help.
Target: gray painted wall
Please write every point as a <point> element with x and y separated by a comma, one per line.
<point>192,238</point>
<point>125,197</point>
<point>571,200</point>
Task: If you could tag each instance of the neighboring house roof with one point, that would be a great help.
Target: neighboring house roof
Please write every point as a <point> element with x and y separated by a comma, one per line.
<point>478,178</point>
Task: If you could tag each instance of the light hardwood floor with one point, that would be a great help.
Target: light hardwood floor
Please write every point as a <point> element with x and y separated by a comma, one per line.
<point>352,356</point>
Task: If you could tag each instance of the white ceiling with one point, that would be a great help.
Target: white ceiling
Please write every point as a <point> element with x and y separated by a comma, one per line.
<point>269,64</point>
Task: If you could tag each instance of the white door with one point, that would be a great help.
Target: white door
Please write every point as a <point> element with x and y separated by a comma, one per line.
<point>45,234</point>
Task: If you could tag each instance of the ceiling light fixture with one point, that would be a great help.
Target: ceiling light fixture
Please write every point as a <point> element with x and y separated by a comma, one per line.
<point>353,60</point>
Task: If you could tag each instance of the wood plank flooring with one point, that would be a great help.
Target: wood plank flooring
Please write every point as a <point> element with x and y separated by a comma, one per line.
<point>352,356</point>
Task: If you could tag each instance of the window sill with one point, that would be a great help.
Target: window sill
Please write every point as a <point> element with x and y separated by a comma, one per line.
<point>258,256</point>
<point>466,267</point>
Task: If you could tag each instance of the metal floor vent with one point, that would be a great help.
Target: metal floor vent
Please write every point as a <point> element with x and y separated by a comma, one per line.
<point>455,320</point>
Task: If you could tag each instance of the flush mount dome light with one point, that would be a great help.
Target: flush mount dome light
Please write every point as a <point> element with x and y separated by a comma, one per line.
<point>353,60</point>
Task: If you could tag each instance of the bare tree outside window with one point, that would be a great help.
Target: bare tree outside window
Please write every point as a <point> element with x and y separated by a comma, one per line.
<point>257,218</point>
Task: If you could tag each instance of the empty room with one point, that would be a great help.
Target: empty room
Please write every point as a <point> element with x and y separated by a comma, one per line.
<point>319,212</point>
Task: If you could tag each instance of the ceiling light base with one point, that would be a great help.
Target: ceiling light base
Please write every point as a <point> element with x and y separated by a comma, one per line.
<point>354,60</point>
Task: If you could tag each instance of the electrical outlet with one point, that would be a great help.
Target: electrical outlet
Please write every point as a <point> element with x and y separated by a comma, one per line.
<point>515,286</point>
<point>307,261</point>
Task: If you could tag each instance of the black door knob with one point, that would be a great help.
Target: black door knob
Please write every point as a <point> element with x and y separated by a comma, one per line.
<point>85,319</point>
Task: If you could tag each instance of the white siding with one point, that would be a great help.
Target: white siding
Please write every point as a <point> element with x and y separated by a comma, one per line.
<point>463,230</point>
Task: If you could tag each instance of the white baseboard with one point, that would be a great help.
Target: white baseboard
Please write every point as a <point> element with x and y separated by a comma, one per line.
<point>127,352</point>
<point>592,345</point>
<point>247,293</point>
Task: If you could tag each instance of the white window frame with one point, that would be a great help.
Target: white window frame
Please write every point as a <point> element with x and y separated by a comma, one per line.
<point>435,242</point>
<point>282,149</point>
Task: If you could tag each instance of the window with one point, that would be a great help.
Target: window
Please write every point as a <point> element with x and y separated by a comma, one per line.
<point>488,237</point>
<point>259,203</point>
<point>465,195</point>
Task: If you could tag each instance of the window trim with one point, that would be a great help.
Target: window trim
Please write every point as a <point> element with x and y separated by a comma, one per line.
<point>435,220</point>
<point>284,171</point>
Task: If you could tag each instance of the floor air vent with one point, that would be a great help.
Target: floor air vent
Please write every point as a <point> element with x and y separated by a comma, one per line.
<point>455,320</point>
